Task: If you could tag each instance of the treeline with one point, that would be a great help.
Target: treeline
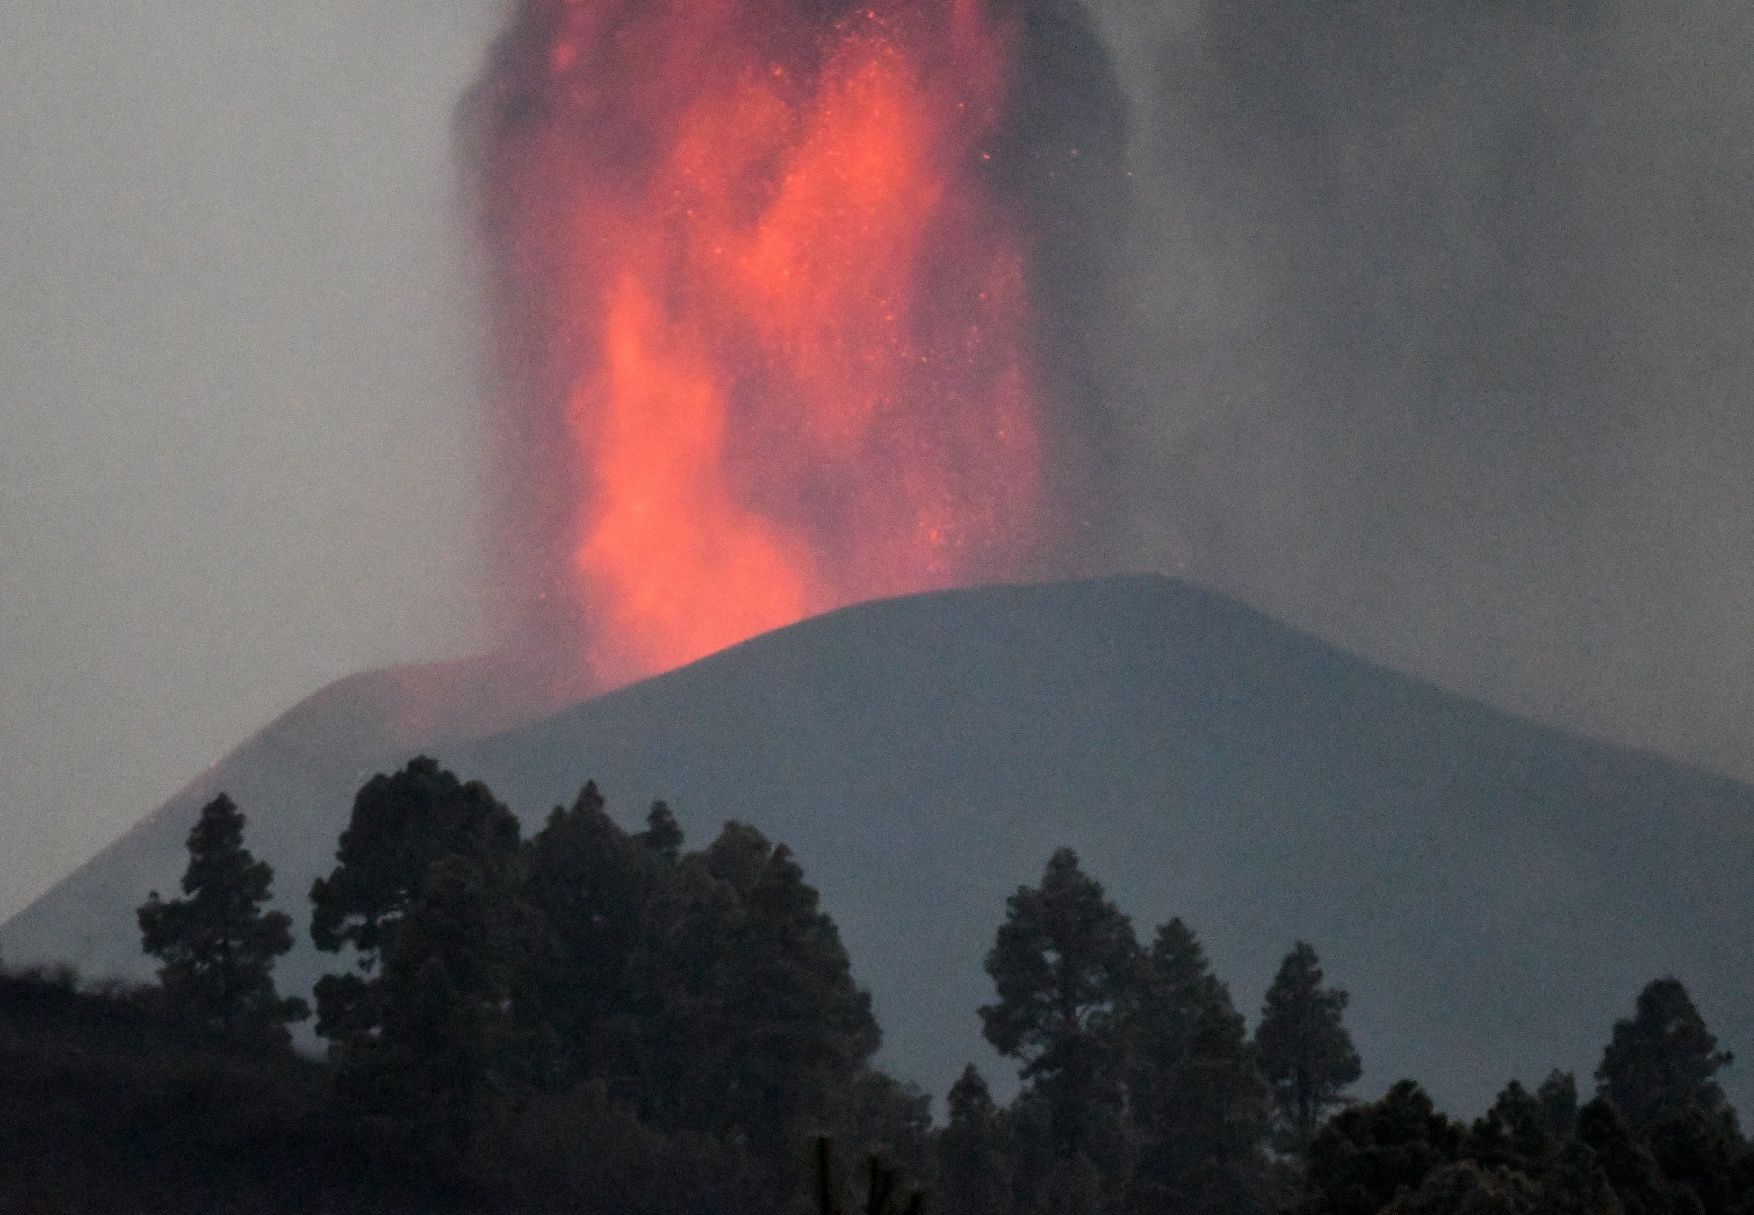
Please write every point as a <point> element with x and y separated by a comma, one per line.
<point>585,1019</point>
<point>593,1019</point>
<point>1143,1094</point>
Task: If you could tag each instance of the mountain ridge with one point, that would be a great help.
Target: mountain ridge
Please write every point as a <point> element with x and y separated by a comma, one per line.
<point>1493,891</point>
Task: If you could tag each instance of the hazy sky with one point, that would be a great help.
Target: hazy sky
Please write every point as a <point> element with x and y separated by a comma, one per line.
<point>1443,349</point>
<point>1446,340</point>
<point>237,421</point>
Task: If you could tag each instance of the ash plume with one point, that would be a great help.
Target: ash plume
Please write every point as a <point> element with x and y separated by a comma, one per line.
<point>1438,340</point>
<point>1418,324</point>
<point>795,305</point>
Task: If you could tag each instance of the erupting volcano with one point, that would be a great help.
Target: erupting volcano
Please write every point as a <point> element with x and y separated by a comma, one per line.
<point>767,334</point>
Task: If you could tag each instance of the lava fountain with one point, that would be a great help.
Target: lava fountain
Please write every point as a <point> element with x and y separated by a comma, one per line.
<point>764,316</point>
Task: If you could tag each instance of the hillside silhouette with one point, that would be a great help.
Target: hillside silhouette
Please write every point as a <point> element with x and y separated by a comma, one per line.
<point>1491,889</point>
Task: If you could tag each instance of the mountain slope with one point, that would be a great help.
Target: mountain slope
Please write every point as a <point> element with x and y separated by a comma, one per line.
<point>1493,892</point>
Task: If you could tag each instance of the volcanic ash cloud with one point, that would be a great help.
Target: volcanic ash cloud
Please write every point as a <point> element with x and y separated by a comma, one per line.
<point>785,299</point>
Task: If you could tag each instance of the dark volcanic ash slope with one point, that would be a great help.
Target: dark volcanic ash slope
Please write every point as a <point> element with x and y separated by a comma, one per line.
<point>1493,892</point>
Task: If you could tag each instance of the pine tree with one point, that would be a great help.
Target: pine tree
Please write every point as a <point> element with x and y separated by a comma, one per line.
<point>1532,1136</point>
<point>1660,1064</point>
<point>402,825</point>
<point>446,1041</point>
<point>744,1017</point>
<point>801,1029</point>
<point>1063,962</point>
<point>1304,1049</point>
<point>1576,1185</point>
<point>974,1173</point>
<point>216,945</point>
<point>1198,1104</point>
<point>425,892</point>
<point>1367,1154</point>
<point>1465,1188</point>
<point>673,1036</point>
<point>1626,1162</point>
<point>1703,1153</point>
<point>589,883</point>
<point>663,834</point>
<point>887,1118</point>
<point>1514,1134</point>
<point>1557,1097</point>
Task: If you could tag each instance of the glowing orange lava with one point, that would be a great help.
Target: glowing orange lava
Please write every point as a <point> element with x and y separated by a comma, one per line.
<point>749,256</point>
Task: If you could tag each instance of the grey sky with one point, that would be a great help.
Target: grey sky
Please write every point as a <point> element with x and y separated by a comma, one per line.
<point>237,453</point>
<point>239,428</point>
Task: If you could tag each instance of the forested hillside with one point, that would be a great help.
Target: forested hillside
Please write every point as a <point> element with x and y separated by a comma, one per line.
<point>602,1020</point>
<point>1498,886</point>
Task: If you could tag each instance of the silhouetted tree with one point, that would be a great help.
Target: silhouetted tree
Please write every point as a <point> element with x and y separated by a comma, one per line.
<point>446,1042</point>
<point>663,834</point>
<point>878,1187</point>
<point>974,1173</point>
<point>426,893</point>
<point>887,1117</point>
<point>1062,962</point>
<point>1464,1188</point>
<point>588,882</point>
<point>1558,1100</point>
<point>1702,1153</point>
<point>1530,1136</point>
<point>799,1027</point>
<point>216,945</point>
<point>1513,1134</point>
<point>1660,1064</point>
<point>1627,1163</point>
<point>1303,1047</point>
<point>1367,1154</point>
<point>401,826</point>
<point>745,1017</point>
<point>670,1052</point>
<point>1576,1185</point>
<point>1197,1102</point>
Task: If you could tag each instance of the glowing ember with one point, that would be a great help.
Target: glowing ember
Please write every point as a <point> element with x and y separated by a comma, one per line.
<point>765,326</point>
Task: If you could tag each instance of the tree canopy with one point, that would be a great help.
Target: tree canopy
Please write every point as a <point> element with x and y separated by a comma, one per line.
<point>597,1018</point>
<point>1198,1103</point>
<point>1305,1051</point>
<point>1063,963</point>
<point>1660,1064</point>
<point>217,945</point>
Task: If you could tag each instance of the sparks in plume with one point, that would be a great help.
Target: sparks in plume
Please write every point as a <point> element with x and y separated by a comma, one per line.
<point>764,326</point>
